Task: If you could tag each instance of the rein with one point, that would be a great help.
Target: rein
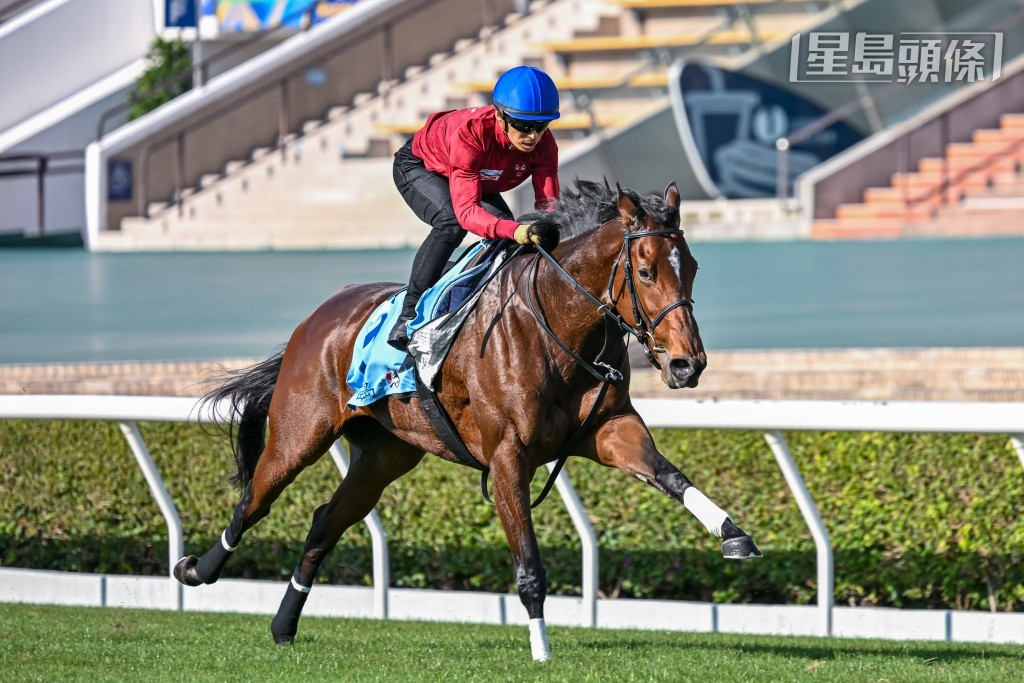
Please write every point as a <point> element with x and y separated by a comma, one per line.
<point>643,331</point>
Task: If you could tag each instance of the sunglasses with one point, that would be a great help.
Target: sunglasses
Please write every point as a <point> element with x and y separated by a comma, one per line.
<point>526,127</point>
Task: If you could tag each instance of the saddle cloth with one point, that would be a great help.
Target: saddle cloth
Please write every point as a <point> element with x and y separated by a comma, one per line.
<point>379,370</point>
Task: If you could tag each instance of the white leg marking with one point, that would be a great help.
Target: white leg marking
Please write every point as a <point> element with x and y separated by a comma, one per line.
<point>224,542</point>
<point>539,641</point>
<point>709,514</point>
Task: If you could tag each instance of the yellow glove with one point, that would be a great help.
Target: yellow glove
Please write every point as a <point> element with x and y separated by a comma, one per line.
<point>523,236</point>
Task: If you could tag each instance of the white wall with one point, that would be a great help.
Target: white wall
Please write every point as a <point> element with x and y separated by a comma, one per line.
<point>63,46</point>
<point>68,126</point>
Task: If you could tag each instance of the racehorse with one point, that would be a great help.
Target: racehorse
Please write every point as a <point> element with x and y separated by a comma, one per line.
<point>539,367</point>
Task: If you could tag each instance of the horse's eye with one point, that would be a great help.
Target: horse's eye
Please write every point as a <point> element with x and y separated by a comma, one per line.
<point>644,274</point>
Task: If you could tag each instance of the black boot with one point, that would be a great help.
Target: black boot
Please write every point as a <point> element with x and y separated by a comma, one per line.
<point>399,337</point>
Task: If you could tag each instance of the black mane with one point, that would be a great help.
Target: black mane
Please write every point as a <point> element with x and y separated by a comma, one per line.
<point>590,205</point>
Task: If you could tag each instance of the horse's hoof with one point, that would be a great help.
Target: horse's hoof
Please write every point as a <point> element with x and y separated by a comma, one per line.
<point>282,634</point>
<point>740,548</point>
<point>185,571</point>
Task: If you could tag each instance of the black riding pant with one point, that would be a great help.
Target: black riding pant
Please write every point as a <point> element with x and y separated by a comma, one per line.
<point>430,198</point>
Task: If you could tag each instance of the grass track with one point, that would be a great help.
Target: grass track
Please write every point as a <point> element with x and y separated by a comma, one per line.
<point>48,643</point>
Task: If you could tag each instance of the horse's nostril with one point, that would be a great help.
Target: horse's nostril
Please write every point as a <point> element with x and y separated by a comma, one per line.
<point>681,369</point>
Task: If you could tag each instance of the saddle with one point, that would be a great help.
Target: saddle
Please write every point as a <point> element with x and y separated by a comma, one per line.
<point>378,370</point>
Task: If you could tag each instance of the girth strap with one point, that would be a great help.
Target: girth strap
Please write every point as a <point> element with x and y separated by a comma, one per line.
<point>442,424</point>
<point>445,429</point>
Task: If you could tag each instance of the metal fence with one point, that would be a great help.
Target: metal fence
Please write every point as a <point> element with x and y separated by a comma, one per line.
<point>769,417</point>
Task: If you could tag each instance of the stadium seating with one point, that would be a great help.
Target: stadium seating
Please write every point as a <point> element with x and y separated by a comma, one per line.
<point>609,58</point>
<point>974,189</point>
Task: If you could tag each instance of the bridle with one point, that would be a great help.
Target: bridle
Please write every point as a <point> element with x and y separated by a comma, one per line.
<point>604,372</point>
<point>644,328</point>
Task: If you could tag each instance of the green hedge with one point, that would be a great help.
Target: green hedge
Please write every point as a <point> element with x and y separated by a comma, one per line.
<point>916,520</point>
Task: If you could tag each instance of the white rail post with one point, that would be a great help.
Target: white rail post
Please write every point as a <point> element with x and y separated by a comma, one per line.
<point>1018,445</point>
<point>175,546</point>
<point>378,541</point>
<point>804,500</point>
<point>589,540</point>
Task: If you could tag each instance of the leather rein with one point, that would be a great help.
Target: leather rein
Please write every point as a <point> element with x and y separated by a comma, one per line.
<point>643,331</point>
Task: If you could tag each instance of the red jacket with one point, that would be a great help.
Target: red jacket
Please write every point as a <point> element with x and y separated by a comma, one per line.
<point>470,149</point>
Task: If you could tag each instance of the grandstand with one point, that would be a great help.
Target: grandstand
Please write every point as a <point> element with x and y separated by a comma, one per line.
<point>287,141</point>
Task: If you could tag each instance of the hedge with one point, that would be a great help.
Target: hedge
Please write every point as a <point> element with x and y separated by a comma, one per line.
<point>916,520</point>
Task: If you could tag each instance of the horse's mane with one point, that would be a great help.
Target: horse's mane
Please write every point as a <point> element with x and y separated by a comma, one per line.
<point>589,205</point>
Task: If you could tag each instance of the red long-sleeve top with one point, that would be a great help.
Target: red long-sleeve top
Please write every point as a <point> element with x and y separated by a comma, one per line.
<point>470,148</point>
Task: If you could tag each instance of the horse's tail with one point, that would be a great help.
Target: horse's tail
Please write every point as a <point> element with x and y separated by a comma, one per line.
<point>247,392</point>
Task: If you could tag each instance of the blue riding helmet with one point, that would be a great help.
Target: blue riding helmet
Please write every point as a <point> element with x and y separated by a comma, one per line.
<point>526,93</point>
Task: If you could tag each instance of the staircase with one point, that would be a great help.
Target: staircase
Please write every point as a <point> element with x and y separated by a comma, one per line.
<point>976,189</point>
<point>331,187</point>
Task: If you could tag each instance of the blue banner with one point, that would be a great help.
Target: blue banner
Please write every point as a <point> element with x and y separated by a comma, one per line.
<point>262,15</point>
<point>180,13</point>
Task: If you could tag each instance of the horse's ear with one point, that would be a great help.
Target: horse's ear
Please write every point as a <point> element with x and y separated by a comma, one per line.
<point>627,208</point>
<point>672,195</point>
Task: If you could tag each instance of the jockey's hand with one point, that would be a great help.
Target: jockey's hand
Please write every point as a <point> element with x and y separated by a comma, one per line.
<point>541,232</point>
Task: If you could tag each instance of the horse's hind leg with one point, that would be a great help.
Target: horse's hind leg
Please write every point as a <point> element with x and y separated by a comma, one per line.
<point>624,442</point>
<point>297,439</point>
<point>378,458</point>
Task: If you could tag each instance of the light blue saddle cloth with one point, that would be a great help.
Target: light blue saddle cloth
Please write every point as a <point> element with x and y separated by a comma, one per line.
<point>379,370</point>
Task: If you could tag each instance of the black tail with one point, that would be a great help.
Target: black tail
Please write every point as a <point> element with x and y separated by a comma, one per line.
<point>248,392</point>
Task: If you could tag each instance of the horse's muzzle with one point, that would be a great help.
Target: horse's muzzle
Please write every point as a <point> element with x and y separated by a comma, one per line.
<point>684,372</point>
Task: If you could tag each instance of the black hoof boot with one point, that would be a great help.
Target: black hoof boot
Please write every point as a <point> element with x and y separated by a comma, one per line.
<point>283,638</point>
<point>185,571</point>
<point>285,624</point>
<point>737,545</point>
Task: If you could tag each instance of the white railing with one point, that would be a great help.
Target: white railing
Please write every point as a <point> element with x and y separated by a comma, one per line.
<point>771,417</point>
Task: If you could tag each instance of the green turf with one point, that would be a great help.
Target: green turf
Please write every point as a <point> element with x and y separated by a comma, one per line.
<point>48,643</point>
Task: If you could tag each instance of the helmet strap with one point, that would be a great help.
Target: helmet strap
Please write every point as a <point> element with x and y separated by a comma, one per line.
<point>504,123</point>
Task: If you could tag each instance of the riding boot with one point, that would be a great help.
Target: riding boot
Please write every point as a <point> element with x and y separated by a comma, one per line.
<point>399,336</point>
<point>427,266</point>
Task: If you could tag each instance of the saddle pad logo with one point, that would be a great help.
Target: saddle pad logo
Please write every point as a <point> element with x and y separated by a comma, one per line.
<point>490,174</point>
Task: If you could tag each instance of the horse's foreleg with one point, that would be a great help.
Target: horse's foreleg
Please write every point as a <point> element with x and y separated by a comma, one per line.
<point>375,464</point>
<point>624,442</point>
<point>511,476</point>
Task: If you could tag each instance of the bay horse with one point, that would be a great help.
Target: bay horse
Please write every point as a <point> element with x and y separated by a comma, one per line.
<point>542,354</point>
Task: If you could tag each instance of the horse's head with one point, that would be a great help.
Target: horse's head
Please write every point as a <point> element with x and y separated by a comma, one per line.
<point>652,285</point>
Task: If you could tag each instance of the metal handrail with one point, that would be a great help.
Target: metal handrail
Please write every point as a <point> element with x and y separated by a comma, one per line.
<point>203,65</point>
<point>12,10</point>
<point>948,181</point>
<point>41,167</point>
<point>284,119</point>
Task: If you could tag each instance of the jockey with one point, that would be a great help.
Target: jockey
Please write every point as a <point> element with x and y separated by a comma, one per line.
<point>452,171</point>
